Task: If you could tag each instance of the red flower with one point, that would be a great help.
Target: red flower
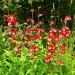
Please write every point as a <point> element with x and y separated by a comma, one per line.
<point>34,33</point>
<point>52,22</point>
<point>40,31</point>
<point>11,19</point>
<point>61,35</point>
<point>34,48</point>
<point>19,49</point>
<point>63,48</point>
<point>13,39</point>
<point>65,28</point>
<point>67,18</point>
<point>49,39</point>
<point>67,34</point>
<point>48,59</point>
<point>53,29</point>
<point>13,31</point>
<point>31,20</point>
<point>49,53</point>
<point>56,39</point>
<point>52,48</point>
<point>36,37</point>
<point>31,49</point>
<point>52,34</point>
<point>64,33</point>
<point>27,40</point>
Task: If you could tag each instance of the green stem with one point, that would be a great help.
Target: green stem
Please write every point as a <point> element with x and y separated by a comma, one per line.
<point>38,13</point>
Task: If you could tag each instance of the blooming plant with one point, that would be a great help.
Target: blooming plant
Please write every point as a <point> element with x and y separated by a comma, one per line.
<point>33,51</point>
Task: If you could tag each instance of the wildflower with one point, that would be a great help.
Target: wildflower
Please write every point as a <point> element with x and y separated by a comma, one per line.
<point>52,34</point>
<point>34,32</point>
<point>67,18</point>
<point>49,39</point>
<point>19,49</point>
<point>65,28</point>
<point>40,15</point>
<point>53,29</point>
<point>34,48</point>
<point>52,22</point>
<point>63,48</point>
<point>51,48</point>
<point>56,39</point>
<point>13,38</point>
<point>13,31</point>
<point>49,53</point>
<point>11,19</point>
<point>48,59</point>
<point>30,20</point>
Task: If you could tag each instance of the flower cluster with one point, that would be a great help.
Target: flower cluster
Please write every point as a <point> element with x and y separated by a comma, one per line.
<point>34,48</point>
<point>11,19</point>
<point>52,36</point>
<point>51,50</point>
<point>67,18</point>
<point>54,42</point>
<point>65,32</point>
<point>19,49</point>
<point>33,33</point>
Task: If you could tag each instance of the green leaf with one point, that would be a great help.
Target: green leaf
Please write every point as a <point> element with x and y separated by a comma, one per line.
<point>1,72</point>
<point>39,0</point>
<point>30,2</point>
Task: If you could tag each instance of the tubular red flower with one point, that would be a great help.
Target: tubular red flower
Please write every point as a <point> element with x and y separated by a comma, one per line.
<point>67,18</point>
<point>13,31</point>
<point>49,53</point>
<point>56,39</point>
<point>13,38</point>
<point>52,22</point>
<point>30,20</point>
<point>48,59</point>
<point>53,29</point>
<point>51,48</point>
<point>34,48</point>
<point>34,33</point>
<point>11,19</point>
<point>49,39</point>
<point>52,34</point>
<point>19,49</point>
<point>65,28</point>
<point>63,48</point>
